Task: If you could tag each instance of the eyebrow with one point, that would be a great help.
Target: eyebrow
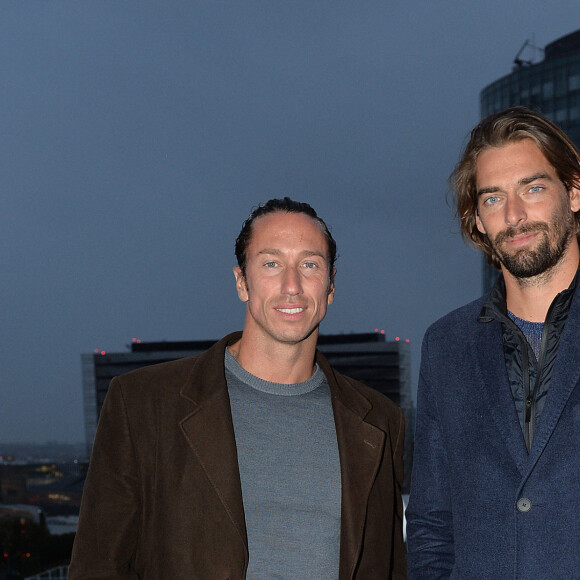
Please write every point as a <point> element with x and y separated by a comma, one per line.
<point>522,181</point>
<point>527,180</point>
<point>273,252</point>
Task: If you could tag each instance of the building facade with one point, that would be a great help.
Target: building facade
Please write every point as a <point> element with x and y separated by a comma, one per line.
<point>550,86</point>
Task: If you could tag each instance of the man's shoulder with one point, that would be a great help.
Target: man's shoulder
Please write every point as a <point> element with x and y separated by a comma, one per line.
<point>154,383</point>
<point>174,374</point>
<point>456,323</point>
<point>378,401</point>
<point>173,370</point>
<point>371,394</point>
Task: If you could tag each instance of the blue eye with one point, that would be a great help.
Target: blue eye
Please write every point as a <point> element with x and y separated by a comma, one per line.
<point>493,199</point>
<point>536,188</point>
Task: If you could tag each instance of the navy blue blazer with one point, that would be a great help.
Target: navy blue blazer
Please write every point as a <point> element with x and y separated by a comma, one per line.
<point>480,506</point>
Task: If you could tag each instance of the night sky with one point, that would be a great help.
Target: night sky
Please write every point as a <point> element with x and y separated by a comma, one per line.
<point>135,138</point>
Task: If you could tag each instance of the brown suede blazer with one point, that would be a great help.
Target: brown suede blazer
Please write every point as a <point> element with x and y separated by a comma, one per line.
<point>162,498</point>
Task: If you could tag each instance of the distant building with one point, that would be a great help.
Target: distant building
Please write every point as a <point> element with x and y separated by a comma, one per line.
<point>550,86</point>
<point>13,484</point>
<point>22,511</point>
<point>55,487</point>
<point>380,364</point>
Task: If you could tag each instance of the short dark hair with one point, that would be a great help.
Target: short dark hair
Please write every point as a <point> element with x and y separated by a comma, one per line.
<point>509,126</point>
<point>283,205</point>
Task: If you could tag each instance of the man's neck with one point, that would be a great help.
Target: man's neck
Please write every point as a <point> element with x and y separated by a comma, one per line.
<point>530,298</point>
<point>278,363</point>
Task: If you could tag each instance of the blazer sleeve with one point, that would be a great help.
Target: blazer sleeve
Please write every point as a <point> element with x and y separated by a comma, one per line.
<point>429,515</point>
<point>110,514</point>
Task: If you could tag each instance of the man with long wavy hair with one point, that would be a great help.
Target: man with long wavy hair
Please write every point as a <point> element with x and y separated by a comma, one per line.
<point>496,484</point>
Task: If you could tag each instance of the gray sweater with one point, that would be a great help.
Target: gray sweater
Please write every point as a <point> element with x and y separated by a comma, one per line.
<point>290,474</point>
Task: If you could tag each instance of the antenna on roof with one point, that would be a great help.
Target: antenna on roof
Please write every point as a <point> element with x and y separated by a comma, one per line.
<point>519,62</point>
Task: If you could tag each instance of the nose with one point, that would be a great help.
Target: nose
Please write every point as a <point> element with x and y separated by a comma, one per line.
<point>291,283</point>
<point>515,211</point>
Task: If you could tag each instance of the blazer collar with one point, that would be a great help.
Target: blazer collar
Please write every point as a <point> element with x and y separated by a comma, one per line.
<point>565,378</point>
<point>207,379</point>
<point>209,430</point>
<point>488,346</point>
<point>360,446</point>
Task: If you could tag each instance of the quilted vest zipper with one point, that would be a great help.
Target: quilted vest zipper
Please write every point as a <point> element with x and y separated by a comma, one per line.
<point>530,399</point>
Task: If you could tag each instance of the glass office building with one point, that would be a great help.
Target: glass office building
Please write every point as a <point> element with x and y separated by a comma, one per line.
<point>550,86</point>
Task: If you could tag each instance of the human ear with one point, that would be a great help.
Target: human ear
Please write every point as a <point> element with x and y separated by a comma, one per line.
<point>479,224</point>
<point>241,286</point>
<point>574,193</point>
<point>330,297</point>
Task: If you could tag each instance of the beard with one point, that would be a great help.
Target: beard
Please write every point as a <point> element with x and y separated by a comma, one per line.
<point>530,262</point>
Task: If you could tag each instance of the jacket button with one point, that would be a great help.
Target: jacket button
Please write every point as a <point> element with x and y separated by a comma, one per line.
<point>524,504</point>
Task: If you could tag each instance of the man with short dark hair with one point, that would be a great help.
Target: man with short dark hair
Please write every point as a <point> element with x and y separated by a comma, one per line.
<point>255,459</point>
<point>496,479</point>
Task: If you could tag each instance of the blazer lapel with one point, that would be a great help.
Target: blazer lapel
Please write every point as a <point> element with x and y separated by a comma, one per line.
<point>565,378</point>
<point>488,346</point>
<point>360,446</point>
<point>209,430</point>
